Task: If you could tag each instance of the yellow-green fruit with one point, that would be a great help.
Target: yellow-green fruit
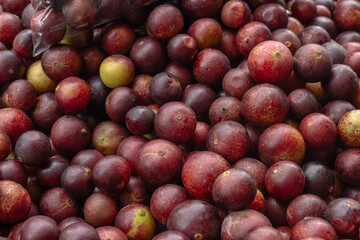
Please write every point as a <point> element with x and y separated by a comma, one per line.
<point>349,128</point>
<point>77,39</point>
<point>136,221</point>
<point>117,71</point>
<point>38,78</point>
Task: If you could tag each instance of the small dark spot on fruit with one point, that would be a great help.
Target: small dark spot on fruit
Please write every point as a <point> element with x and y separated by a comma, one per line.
<point>161,153</point>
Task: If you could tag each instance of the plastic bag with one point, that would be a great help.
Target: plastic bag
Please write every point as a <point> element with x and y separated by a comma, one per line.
<point>53,17</point>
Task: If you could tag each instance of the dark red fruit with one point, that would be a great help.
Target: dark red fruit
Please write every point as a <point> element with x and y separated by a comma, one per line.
<point>70,135</point>
<point>49,174</point>
<point>272,15</point>
<point>313,227</point>
<point>159,162</point>
<point>303,10</point>
<point>171,235</point>
<point>302,102</point>
<point>236,82</point>
<point>87,158</point>
<point>287,37</point>
<point>79,14</point>
<point>200,165</point>
<point>207,33</point>
<point>11,169</point>
<point>261,97</point>
<point>346,15</point>
<point>23,44</point>
<point>210,67</point>
<point>337,52</point>
<point>148,55</point>
<point>327,23</point>
<point>316,55</point>
<point>111,233</point>
<point>255,168</point>
<point>61,61</point>
<point>305,205</point>
<point>136,192</point>
<point>315,35</point>
<point>237,224</point>
<point>10,26</point>
<point>21,94</point>
<point>15,7</point>
<point>100,209</point>
<point>175,122</point>
<point>129,148</point>
<point>199,97</point>
<point>165,21</point>
<point>140,85</point>
<point>77,181</point>
<point>225,108</point>
<point>182,49</point>
<point>235,14</point>
<point>275,210</point>
<point>78,231</point>
<point>263,232</point>
<point>92,57</point>
<point>39,227</point>
<point>250,35</point>
<point>58,205</point>
<point>195,9</point>
<point>12,67</point>
<point>318,130</point>
<point>124,36</point>
<point>229,197</point>
<point>347,166</point>
<point>165,87</point>
<point>284,181</point>
<point>68,221</point>
<point>165,199</point>
<point>119,101</point>
<point>111,174</point>
<point>229,139</point>
<point>182,73</point>
<point>203,221</point>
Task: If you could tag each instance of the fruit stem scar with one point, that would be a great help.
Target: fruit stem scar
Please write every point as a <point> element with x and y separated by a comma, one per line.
<point>161,153</point>
<point>198,236</point>
<point>277,55</point>
<point>142,213</point>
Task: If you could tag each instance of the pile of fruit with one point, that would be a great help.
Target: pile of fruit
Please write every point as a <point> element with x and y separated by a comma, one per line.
<point>180,119</point>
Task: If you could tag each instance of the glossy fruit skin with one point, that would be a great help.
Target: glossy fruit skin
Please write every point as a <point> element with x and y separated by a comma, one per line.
<point>207,32</point>
<point>70,135</point>
<point>229,197</point>
<point>111,174</point>
<point>271,14</point>
<point>202,220</point>
<point>175,121</point>
<point>78,231</point>
<point>15,202</point>
<point>100,209</point>
<point>165,87</point>
<point>14,122</point>
<point>284,172</point>
<point>346,165</point>
<point>237,224</point>
<point>306,228</point>
<point>286,141</point>
<point>12,67</point>
<point>156,156</point>
<point>192,175</point>
<point>343,214</point>
<point>171,235</point>
<point>39,227</point>
<point>10,26</point>
<point>73,95</point>
<point>229,139</point>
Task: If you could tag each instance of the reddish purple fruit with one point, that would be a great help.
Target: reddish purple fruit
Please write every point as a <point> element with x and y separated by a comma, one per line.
<point>39,227</point>
<point>100,209</point>
<point>313,227</point>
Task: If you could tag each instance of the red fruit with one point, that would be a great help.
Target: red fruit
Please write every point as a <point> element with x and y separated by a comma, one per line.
<point>100,209</point>
<point>318,130</point>
<point>272,15</point>
<point>347,166</point>
<point>313,227</point>
<point>235,14</point>
<point>39,227</point>
<point>11,68</point>
<point>346,15</point>
<point>14,122</point>
<point>15,202</point>
<point>73,95</point>
<point>270,62</point>
<point>175,122</point>
<point>10,26</point>
<point>111,174</point>
<point>124,36</point>
<point>159,162</point>
<point>229,139</point>
<point>286,144</point>
<point>207,33</point>
<point>110,233</point>
<point>5,145</point>
<point>200,166</point>
<point>303,10</point>
<point>284,181</point>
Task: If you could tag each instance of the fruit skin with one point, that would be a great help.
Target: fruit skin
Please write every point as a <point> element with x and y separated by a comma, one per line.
<point>5,145</point>
<point>136,221</point>
<point>347,166</point>
<point>313,227</point>
<point>270,62</point>
<point>100,209</point>
<point>265,104</point>
<point>15,202</point>
<point>14,122</point>
<point>234,189</point>
<point>281,142</point>
<point>349,128</point>
<point>200,165</point>
<point>39,227</point>
<point>196,219</point>
<point>117,71</point>
<point>78,231</point>
<point>38,78</point>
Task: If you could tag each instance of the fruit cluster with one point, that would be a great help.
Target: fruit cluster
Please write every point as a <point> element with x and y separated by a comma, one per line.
<point>184,119</point>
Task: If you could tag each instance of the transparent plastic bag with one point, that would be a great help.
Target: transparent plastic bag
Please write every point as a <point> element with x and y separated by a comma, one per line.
<point>53,17</point>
